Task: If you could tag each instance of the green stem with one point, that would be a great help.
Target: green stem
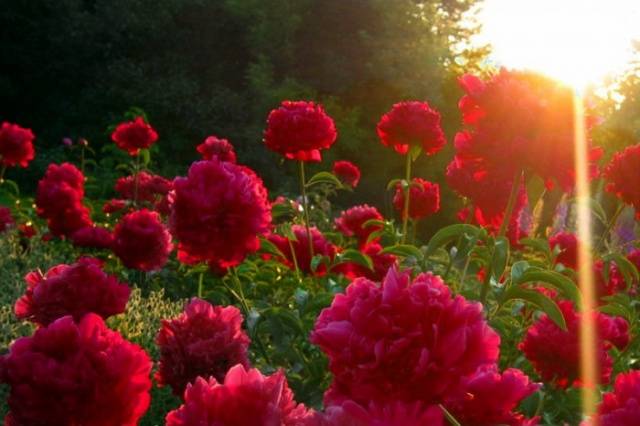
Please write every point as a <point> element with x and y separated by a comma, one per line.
<point>305,205</point>
<point>295,259</point>
<point>609,227</point>
<point>200,284</point>
<point>405,209</point>
<point>515,187</point>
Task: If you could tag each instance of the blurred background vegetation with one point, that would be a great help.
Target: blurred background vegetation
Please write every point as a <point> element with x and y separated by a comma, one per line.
<point>71,68</point>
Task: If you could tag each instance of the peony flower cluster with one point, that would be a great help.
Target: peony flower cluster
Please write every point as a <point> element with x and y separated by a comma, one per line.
<point>555,353</point>
<point>350,413</point>
<point>132,136</point>
<point>245,398</point>
<point>6,219</point>
<point>74,290</point>
<point>141,241</point>
<point>218,213</point>
<point>76,374</point>
<point>424,199</point>
<point>297,252</point>
<point>351,223</point>
<point>623,175</point>
<point>409,124</point>
<point>203,341</point>
<point>402,340</point>
<point>299,130</point>
<point>621,407</point>
<point>59,199</point>
<point>93,237</point>
<point>16,145</point>
<point>214,147</point>
<point>151,189</point>
<point>347,172</point>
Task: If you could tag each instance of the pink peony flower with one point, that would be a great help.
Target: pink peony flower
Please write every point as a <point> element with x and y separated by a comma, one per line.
<point>141,241</point>
<point>132,136</point>
<point>402,340</point>
<point>214,147</point>
<point>411,123</point>
<point>351,222</point>
<point>16,145</point>
<point>75,290</point>
<point>424,199</point>
<point>76,374</point>
<point>203,341</point>
<point>245,398</point>
<point>347,172</point>
<point>621,407</point>
<point>300,253</point>
<point>350,413</point>
<point>93,237</point>
<point>218,213</point>
<point>299,130</point>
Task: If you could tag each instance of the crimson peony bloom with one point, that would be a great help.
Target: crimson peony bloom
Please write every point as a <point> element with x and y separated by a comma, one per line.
<point>347,172</point>
<point>621,407</point>
<point>424,199</point>
<point>114,206</point>
<point>16,145</point>
<point>301,253</point>
<point>623,175</point>
<point>568,244</point>
<point>76,374</point>
<point>152,189</point>
<point>93,237</point>
<point>141,241</point>
<point>555,354</point>
<point>132,136</point>
<point>218,213</point>
<point>203,341</point>
<point>381,264</point>
<point>59,199</point>
<point>299,130</point>
<point>351,222</point>
<point>214,147</point>
<point>488,398</point>
<point>615,281</point>
<point>75,290</point>
<point>6,219</point>
<point>26,230</point>
<point>402,340</point>
<point>245,398</point>
<point>350,413</point>
<point>411,123</point>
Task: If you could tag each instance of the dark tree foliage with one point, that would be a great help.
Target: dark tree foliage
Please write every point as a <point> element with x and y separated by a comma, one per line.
<point>200,67</point>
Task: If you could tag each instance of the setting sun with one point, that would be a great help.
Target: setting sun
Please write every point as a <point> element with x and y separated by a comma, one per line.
<point>577,41</point>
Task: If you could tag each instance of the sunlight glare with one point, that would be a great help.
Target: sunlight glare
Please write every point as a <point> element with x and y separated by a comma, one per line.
<point>579,42</point>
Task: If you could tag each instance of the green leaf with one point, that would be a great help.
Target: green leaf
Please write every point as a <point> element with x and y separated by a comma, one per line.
<point>145,156</point>
<point>551,278</point>
<point>626,267</point>
<point>318,260</point>
<point>451,233</point>
<point>500,257</point>
<point>535,189</point>
<point>415,152</point>
<point>540,301</point>
<point>404,250</point>
<point>518,269</point>
<point>355,256</point>
<point>393,183</point>
<point>596,209</point>
<point>282,209</point>
<point>538,244</point>
<point>373,222</point>
<point>267,246</point>
<point>11,184</point>
<point>324,177</point>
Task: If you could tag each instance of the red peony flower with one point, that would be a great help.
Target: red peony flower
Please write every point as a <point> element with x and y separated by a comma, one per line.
<point>6,219</point>
<point>555,354</point>
<point>568,244</point>
<point>424,199</point>
<point>300,254</point>
<point>402,340</point>
<point>151,189</point>
<point>299,130</point>
<point>76,374</point>
<point>141,241</point>
<point>488,398</point>
<point>621,407</point>
<point>246,398</point>
<point>347,172</point>
<point>16,145</point>
<point>615,281</point>
<point>351,222</point>
<point>623,175</point>
<point>132,136</point>
<point>75,290</point>
<point>214,147</point>
<point>350,413</point>
<point>411,123</point>
<point>114,206</point>
<point>93,237</point>
<point>381,264</point>
<point>27,230</point>
<point>218,212</point>
<point>203,341</point>
<point>59,199</point>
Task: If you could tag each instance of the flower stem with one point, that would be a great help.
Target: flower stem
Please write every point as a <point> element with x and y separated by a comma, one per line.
<point>609,227</point>
<point>515,187</point>
<point>200,284</point>
<point>405,210</point>
<point>305,205</point>
<point>135,180</point>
